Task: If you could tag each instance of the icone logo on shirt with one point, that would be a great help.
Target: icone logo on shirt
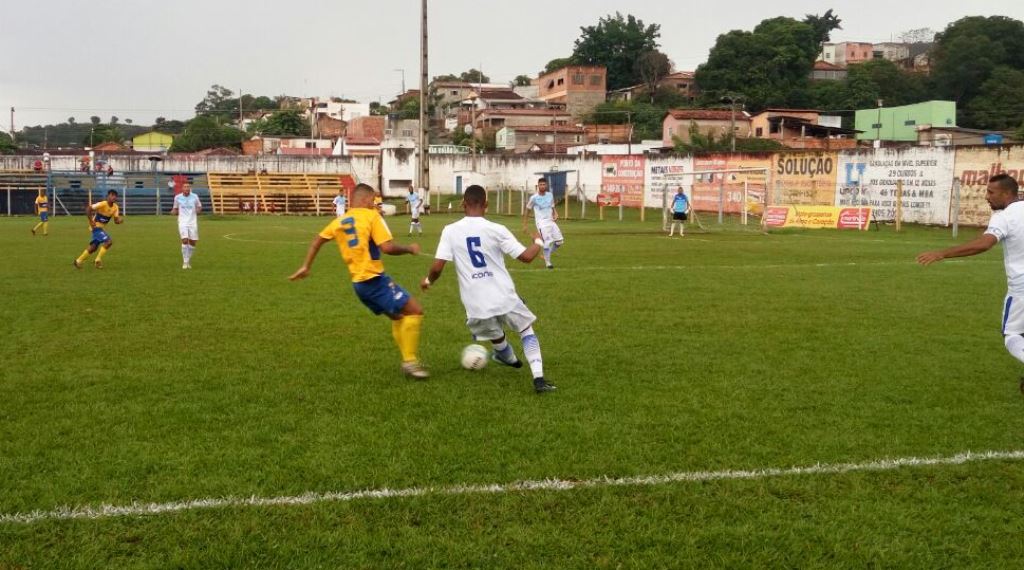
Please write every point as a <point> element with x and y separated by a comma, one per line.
<point>481,275</point>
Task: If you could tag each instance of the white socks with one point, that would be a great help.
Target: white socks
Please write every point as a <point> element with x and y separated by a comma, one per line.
<point>1015,344</point>
<point>531,350</point>
<point>186,253</point>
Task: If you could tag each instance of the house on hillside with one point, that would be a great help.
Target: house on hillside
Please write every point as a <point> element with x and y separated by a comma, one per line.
<point>802,128</point>
<point>520,140</point>
<point>825,71</point>
<point>152,142</point>
<point>717,122</point>
<point>681,82</point>
<point>579,88</point>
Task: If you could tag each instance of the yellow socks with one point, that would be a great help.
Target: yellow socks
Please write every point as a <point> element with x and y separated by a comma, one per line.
<point>407,336</point>
<point>103,249</point>
<point>37,227</point>
<point>84,256</point>
<point>46,228</point>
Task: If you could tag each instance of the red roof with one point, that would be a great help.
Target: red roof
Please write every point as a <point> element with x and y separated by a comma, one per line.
<point>826,66</point>
<point>362,141</point>
<point>549,129</point>
<point>706,115</point>
<point>499,94</point>
<point>530,112</point>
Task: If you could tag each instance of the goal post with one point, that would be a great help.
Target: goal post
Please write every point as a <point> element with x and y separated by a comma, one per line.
<point>742,192</point>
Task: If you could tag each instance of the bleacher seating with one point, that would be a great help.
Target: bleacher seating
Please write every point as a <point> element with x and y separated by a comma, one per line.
<point>275,192</point>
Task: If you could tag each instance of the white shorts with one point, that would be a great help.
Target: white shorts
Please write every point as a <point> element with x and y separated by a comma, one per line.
<point>518,319</point>
<point>1013,315</point>
<point>189,231</point>
<point>549,232</point>
<point>339,211</point>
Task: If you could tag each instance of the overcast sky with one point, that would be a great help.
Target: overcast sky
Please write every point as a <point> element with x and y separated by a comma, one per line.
<point>140,59</point>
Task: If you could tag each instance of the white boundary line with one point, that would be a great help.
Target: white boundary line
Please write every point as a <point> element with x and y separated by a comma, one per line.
<point>746,266</point>
<point>134,509</point>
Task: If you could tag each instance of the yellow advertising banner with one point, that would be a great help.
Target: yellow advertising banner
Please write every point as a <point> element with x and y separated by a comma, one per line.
<point>805,178</point>
<point>974,166</point>
<point>817,217</point>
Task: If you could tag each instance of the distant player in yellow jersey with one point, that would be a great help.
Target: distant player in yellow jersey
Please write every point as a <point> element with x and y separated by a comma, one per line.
<point>362,236</point>
<point>100,214</point>
<point>43,211</point>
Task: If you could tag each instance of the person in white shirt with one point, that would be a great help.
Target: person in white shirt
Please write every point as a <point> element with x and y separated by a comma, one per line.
<point>415,205</point>
<point>477,247</point>
<point>1006,226</point>
<point>187,206</point>
<point>545,216</point>
<point>340,203</point>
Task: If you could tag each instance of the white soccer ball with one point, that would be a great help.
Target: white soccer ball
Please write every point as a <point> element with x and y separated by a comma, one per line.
<point>474,357</point>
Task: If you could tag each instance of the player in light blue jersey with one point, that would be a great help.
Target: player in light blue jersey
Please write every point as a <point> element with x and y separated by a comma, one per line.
<point>680,208</point>
<point>187,206</point>
<point>340,203</point>
<point>545,216</point>
<point>415,205</point>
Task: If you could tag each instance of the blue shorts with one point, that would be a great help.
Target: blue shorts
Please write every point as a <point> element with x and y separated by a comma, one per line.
<point>99,237</point>
<point>44,216</point>
<point>382,295</point>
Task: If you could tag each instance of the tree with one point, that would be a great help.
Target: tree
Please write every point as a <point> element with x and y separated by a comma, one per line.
<point>7,145</point>
<point>71,120</point>
<point>652,67</point>
<point>969,50</point>
<point>103,133</point>
<point>410,109</point>
<point>287,123</point>
<point>95,120</point>
<point>556,64</point>
<point>999,105</point>
<point>522,81</point>
<point>171,127</point>
<point>205,132</point>
<point>474,76</point>
<point>769,66</point>
<point>114,120</point>
<point>616,42</point>
<point>823,26</point>
<point>378,108</point>
<point>219,102</point>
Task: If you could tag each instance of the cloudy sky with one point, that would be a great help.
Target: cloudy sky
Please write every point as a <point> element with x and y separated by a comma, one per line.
<point>140,59</point>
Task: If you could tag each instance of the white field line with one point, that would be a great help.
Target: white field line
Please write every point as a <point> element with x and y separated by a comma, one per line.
<point>234,237</point>
<point>134,509</point>
<point>744,266</point>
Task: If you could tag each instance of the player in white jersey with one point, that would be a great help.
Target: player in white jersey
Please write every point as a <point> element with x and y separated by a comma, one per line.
<point>187,206</point>
<point>340,203</point>
<point>477,247</point>
<point>1007,226</point>
<point>415,206</point>
<point>545,216</point>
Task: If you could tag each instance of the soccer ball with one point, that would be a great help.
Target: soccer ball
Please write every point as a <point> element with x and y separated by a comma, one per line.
<point>474,357</point>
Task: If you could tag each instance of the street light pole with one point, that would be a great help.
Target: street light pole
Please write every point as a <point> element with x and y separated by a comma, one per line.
<point>424,127</point>
<point>402,71</point>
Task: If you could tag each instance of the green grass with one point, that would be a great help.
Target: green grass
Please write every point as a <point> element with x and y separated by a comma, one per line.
<point>726,350</point>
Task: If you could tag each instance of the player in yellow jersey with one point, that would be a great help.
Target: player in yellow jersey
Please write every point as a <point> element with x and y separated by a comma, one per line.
<point>43,211</point>
<point>362,236</point>
<point>100,214</point>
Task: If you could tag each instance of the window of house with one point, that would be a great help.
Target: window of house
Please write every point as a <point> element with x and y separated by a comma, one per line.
<point>909,123</point>
<point>310,144</point>
<point>578,79</point>
<point>595,80</point>
<point>579,138</point>
<point>551,84</point>
<point>561,81</point>
<point>876,126</point>
<point>773,128</point>
<point>406,132</point>
<point>549,139</point>
<point>760,132</point>
<point>454,93</point>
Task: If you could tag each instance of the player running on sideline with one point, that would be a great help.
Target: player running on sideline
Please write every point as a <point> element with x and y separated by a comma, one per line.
<point>99,215</point>
<point>544,217</point>
<point>43,211</point>
<point>680,207</point>
<point>1007,226</point>
<point>415,205</point>
<point>478,246</point>
<point>362,235</point>
<point>188,207</point>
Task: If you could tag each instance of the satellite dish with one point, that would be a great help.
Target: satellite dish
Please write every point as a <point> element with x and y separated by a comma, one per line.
<point>468,129</point>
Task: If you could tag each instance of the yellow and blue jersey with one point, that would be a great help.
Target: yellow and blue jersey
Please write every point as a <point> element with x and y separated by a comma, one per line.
<point>43,203</point>
<point>359,233</point>
<point>104,212</point>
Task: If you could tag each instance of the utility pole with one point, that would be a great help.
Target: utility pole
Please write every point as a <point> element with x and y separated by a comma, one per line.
<point>732,99</point>
<point>241,117</point>
<point>402,71</point>
<point>424,127</point>
<point>629,142</point>
<point>12,122</point>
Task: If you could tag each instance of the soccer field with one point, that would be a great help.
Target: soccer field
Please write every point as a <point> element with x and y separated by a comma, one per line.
<point>685,367</point>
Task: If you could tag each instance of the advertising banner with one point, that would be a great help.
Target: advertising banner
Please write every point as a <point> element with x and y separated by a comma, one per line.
<point>817,217</point>
<point>667,175</point>
<point>870,178</point>
<point>974,166</point>
<point>711,187</point>
<point>624,175</point>
<point>805,178</point>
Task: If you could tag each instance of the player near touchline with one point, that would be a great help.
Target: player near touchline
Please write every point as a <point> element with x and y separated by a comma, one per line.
<point>100,214</point>
<point>340,203</point>
<point>477,246</point>
<point>362,236</point>
<point>680,208</point>
<point>1007,226</point>
<point>415,206</point>
<point>187,206</point>
<point>43,211</point>
<point>545,217</point>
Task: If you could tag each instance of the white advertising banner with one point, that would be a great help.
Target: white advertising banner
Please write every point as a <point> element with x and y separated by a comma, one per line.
<point>869,178</point>
<point>667,174</point>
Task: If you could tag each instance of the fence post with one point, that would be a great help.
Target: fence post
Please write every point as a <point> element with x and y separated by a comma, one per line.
<point>745,189</point>
<point>721,198</point>
<point>956,206</point>
<point>899,205</point>
<point>8,201</point>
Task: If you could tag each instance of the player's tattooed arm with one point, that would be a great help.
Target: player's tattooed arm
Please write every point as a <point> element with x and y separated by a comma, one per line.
<point>392,248</point>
